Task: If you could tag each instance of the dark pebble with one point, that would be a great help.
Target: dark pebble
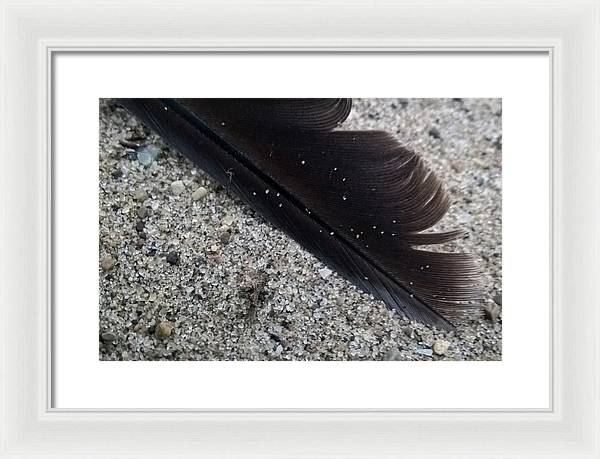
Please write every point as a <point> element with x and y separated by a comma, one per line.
<point>498,299</point>
<point>224,237</point>
<point>108,337</point>
<point>129,143</point>
<point>275,337</point>
<point>173,258</point>
<point>136,137</point>
<point>498,143</point>
<point>433,132</point>
<point>157,354</point>
<point>168,353</point>
<point>117,173</point>
<point>139,226</point>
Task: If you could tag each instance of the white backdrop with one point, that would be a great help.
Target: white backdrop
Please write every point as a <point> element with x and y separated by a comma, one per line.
<point>521,380</point>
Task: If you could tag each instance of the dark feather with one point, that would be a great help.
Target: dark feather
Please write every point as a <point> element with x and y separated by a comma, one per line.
<point>358,200</point>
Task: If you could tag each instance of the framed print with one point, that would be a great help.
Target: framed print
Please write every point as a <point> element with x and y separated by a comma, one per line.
<point>299,229</point>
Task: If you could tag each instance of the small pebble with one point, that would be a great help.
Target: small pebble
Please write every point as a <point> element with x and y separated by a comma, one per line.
<point>228,220</point>
<point>409,332</point>
<point>139,226</point>
<point>147,154</point>
<point>117,173</point>
<point>224,237</point>
<point>325,273</point>
<point>141,195</point>
<point>393,354</point>
<point>435,133</point>
<point>128,143</point>
<point>492,311</point>
<point>143,212</point>
<point>426,352</point>
<point>109,337</point>
<point>177,187</point>
<point>480,163</point>
<point>440,347</point>
<point>458,166</point>
<point>199,193</point>
<point>164,329</point>
<point>498,299</point>
<point>107,263</point>
<point>173,258</point>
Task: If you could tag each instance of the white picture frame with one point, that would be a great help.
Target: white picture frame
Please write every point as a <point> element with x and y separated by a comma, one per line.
<point>569,30</point>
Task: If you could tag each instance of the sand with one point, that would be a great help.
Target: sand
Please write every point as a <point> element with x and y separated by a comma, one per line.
<point>189,272</point>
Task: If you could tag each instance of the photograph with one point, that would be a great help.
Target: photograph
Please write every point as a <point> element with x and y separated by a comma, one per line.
<point>300,229</point>
<point>271,229</point>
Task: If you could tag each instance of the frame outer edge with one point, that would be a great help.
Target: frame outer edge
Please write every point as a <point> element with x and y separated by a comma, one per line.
<point>4,233</point>
<point>27,428</point>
